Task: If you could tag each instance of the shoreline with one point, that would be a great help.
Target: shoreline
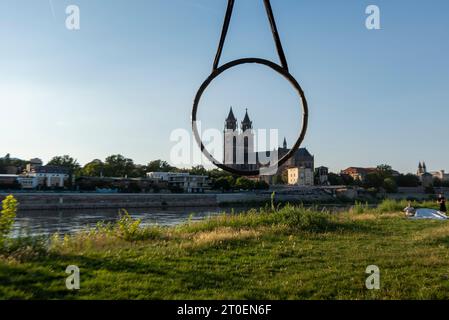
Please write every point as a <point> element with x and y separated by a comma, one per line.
<point>76,201</point>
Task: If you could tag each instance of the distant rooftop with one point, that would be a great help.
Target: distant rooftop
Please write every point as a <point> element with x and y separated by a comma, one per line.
<point>51,169</point>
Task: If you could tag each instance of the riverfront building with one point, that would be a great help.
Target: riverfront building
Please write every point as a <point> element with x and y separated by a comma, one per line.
<point>300,177</point>
<point>36,175</point>
<point>428,178</point>
<point>182,181</point>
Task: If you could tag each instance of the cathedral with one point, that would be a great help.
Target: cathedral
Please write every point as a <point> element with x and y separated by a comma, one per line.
<point>240,153</point>
<point>422,169</point>
<point>425,177</point>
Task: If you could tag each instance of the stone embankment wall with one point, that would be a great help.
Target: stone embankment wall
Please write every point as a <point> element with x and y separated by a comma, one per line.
<point>50,201</point>
<point>55,201</point>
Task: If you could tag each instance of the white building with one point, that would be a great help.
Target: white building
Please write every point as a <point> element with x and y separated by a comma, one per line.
<point>300,176</point>
<point>188,183</point>
<point>35,176</point>
<point>27,182</point>
<point>49,176</point>
<point>442,175</point>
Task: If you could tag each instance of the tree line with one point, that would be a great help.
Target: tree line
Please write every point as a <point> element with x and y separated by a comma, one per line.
<point>119,166</point>
<point>384,177</point>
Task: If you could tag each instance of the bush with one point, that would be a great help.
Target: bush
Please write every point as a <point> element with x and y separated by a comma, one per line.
<point>304,219</point>
<point>360,207</point>
<point>104,234</point>
<point>7,217</point>
<point>244,184</point>
<point>389,205</point>
<point>26,247</point>
<point>128,228</point>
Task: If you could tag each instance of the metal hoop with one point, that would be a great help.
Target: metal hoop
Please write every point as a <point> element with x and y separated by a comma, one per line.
<point>279,70</point>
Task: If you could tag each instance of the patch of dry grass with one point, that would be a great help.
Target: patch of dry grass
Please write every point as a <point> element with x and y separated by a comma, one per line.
<point>441,231</point>
<point>221,235</point>
<point>372,216</point>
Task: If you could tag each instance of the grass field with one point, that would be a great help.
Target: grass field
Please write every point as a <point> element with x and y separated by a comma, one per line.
<point>287,253</point>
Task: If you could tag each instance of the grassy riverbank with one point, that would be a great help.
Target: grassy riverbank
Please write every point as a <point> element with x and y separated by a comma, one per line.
<point>290,253</point>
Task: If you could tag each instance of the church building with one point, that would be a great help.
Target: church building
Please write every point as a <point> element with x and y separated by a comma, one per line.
<point>240,151</point>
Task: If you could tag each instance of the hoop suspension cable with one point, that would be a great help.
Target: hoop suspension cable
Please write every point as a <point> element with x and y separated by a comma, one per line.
<point>274,31</point>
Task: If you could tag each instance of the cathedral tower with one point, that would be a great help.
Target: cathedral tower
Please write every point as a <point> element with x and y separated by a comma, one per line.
<point>230,139</point>
<point>247,138</point>
<point>239,144</point>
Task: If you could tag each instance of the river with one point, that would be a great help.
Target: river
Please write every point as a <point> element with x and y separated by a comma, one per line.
<point>39,222</point>
<point>48,222</point>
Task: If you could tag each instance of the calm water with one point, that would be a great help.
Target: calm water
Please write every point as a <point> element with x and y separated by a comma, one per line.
<point>37,223</point>
<point>70,221</point>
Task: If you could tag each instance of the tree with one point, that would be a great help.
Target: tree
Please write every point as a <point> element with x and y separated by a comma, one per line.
<point>139,171</point>
<point>390,185</point>
<point>217,173</point>
<point>160,166</point>
<point>348,180</point>
<point>65,161</point>
<point>6,161</point>
<point>408,180</point>
<point>94,168</point>
<point>118,166</point>
<point>222,184</point>
<point>385,171</point>
<point>437,182</point>
<point>198,171</point>
<point>373,180</point>
<point>231,180</point>
<point>335,179</point>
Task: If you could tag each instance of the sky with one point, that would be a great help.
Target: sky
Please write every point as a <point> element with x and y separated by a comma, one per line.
<point>128,77</point>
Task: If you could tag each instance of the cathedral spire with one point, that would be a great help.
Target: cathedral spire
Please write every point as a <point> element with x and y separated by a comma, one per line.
<point>285,143</point>
<point>246,123</point>
<point>421,168</point>
<point>231,121</point>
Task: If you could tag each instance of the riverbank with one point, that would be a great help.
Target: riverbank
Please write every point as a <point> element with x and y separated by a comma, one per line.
<point>290,253</point>
<point>82,201</point>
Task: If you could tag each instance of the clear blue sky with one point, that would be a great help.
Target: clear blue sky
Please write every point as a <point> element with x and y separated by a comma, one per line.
<point>127,79</point>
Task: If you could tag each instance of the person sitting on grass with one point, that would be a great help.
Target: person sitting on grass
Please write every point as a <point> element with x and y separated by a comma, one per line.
<point>442,202</point>
<point>409,210</point>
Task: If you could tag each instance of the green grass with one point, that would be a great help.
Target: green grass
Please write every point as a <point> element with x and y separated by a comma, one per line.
<point>289,253</point>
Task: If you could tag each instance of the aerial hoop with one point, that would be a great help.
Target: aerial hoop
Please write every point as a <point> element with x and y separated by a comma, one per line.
<point>280,69</point>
